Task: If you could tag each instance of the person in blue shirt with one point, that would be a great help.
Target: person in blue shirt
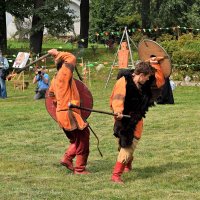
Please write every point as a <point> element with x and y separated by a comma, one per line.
<point>3,67</point>
<point>42,80</point>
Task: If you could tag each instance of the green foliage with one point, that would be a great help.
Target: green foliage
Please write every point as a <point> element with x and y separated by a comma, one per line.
<point>186,57</point>
<point>193,45</point>
<point>56,16</point>
<point>129,21</point>
<point>111,15</point>
<point>137,37</point>
<point>165,37</point>
<point>170,13</point>
<point>185,38</point>
<point>184,51</point>
<point>19,8</point>
<point>170,46</point>
<point>23,28</point>
<point>189,41</point>
<point>193,16</point>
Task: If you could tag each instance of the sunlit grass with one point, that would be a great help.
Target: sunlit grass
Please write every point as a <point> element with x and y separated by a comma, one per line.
<point>166,164</point>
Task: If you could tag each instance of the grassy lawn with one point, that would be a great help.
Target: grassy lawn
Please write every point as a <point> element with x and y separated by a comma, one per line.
<point>166,164</point>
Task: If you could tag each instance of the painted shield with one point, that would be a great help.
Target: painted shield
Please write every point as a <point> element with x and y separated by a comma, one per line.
<point>85,97</point>
<point>147,47</point>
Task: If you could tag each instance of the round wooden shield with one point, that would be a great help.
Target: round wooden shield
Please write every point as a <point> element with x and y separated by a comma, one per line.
<point>147,47</point>
<point>85,97</point>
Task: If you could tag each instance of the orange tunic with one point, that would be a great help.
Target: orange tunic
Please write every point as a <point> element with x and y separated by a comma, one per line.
<point>64,88</point>
<point>119,92</point>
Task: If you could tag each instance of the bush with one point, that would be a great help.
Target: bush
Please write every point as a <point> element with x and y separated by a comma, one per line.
<point>137,37</point>
<point>185,38</point>
<point>170,46</point>
<point>165,37</point>
<point>185,57</point>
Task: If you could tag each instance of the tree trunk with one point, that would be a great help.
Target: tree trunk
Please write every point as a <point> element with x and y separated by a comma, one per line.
<point>158,4</point>
<point>3,32</point>
<point>84,24</point>
<point>37,29</point>
<point>145,13</point>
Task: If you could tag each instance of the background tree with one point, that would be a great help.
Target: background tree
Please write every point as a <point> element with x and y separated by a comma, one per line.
<point>84,23</point>
<point>193,16</point>
<point>18,8</point>
<point>103,13</point>
<point>110,15</point>
<point>23,28</point>
<point>37,29</point>
<point>3,32</point>
<point>55,16</point>
<point>169,13</point>
<point>145,13</point>
<point>129,15</point>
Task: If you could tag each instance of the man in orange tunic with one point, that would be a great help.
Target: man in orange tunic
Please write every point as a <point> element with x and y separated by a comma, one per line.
<point>63,89</point>
<point>132,95</point>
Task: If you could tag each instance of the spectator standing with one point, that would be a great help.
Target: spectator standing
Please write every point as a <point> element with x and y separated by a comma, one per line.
<point>3,68</point>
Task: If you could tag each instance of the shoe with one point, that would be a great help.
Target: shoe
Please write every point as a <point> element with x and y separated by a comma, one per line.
<point>128,166</point>
<point>68,164</point>
<point>82,173</point>
<point>117,172</point>
<point>67,159</point>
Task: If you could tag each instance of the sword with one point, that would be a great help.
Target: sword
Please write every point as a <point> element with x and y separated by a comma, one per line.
<point>92,110</point>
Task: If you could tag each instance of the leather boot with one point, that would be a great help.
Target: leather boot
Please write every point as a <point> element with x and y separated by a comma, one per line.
<point>128,166</point>
<point>117,172</point>
<point>67,159</point>
<point>81,162</point>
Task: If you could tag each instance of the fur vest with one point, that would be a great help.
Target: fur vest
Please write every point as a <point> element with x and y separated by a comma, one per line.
<point>136,105</point>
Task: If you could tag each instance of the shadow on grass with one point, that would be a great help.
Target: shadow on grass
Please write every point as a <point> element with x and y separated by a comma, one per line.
<point>94,166</point>
<point>152,171</point>
<point>106,166</point>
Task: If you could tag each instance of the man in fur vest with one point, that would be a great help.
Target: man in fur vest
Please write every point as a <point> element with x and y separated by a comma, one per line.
<point>132,95</point>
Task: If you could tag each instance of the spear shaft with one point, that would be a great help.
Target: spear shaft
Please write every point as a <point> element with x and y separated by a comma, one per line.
<point>28,65</point>
<point>97,111</point>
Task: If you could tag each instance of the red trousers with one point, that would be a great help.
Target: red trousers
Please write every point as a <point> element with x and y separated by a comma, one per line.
<point>81,140</point>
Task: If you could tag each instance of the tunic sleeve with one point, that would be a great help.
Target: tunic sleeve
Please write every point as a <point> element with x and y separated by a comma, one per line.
<point>69,62</point>
<point>160,79</point>
<point>118,96</point>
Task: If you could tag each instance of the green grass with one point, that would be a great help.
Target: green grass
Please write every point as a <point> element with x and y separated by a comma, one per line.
<point>166,164</point>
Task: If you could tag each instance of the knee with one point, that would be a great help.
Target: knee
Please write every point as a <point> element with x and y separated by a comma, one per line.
<point>125,155</point>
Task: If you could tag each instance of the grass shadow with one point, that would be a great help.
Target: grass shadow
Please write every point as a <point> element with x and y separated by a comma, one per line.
<point>152,171</point>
